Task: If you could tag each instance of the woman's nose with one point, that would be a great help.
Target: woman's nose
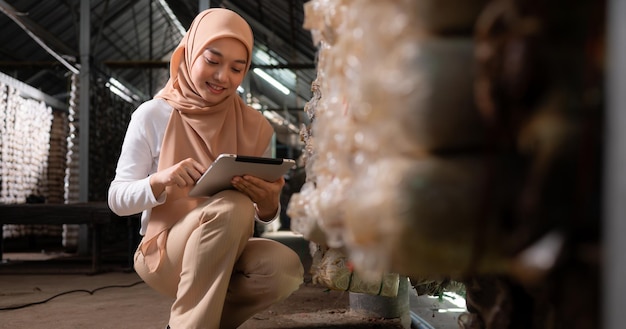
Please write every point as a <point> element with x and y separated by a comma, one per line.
<point>220,74</point>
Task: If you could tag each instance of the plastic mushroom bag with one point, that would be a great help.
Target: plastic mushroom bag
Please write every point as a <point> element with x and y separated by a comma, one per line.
<point>332,269</point>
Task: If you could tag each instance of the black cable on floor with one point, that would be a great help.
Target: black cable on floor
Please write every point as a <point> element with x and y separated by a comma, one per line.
<point>91,292</point>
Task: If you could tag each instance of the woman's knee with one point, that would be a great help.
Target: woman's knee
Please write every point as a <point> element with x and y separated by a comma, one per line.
<point>290,263</point>
<point>280,266</point>
<point>230,209</point>
<point>230,203</point>
<point>163,280</point>
<point>289,274</point>
<point>292,268</point>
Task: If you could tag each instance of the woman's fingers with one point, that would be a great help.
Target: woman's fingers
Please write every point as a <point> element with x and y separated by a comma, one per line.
<point>253,187</point>
<point>186,172</point>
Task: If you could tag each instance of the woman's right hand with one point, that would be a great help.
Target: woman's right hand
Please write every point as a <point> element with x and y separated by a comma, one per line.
<point>182,174</point>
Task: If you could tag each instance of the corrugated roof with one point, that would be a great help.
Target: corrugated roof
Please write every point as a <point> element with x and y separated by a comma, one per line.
<point>132,41</point>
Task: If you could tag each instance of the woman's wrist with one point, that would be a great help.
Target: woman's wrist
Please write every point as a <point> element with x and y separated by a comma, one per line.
<point>157,189</point>
<point>266,214</point>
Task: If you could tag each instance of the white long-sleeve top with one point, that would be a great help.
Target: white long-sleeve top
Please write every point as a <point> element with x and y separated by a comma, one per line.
<point>130,192</point>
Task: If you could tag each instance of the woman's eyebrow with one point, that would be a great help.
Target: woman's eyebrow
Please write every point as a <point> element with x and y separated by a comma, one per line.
<point>219,54</point>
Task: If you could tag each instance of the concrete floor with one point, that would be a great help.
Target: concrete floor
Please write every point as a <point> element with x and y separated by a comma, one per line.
<point>48,290</point>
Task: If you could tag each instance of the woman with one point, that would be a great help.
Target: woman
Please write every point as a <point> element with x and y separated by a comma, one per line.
<point>200,251</point>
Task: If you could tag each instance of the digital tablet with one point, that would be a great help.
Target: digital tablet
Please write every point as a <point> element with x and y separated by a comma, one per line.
<point>217,178</point>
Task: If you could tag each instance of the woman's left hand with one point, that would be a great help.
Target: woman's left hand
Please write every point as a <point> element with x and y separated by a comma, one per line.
<point>265,194</point>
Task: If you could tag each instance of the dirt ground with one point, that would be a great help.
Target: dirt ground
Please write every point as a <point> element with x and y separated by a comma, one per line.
<point>316,307</point>
<point>49,290</point>
<point>121,300</point>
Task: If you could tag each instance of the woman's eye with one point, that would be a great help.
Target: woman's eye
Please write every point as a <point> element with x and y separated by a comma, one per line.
<point>236,70</point>
<point>210,61</point>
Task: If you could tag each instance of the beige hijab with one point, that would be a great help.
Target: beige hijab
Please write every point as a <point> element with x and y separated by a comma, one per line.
<point>197,130</point>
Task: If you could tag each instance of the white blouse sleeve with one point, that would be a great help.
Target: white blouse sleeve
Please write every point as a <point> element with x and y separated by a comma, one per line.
<point>130,192</point>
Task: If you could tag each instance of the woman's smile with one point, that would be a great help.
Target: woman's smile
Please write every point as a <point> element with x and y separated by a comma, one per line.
<point>215,88</point>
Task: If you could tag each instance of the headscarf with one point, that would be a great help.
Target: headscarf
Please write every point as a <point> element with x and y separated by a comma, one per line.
<point>197,130</point>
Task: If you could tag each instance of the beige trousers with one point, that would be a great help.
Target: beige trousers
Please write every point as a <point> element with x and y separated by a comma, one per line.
<point>218,274</point>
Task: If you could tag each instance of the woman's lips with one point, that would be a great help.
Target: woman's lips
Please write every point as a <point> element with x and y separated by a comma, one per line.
<point>215,88</point>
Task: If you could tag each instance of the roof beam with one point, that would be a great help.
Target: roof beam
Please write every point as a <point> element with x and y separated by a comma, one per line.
<point>31,92</point>
<point>29,64</point>
<point>41,36</point>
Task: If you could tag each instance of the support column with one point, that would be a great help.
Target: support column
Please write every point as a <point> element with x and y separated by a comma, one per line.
<point>83,118</point>
<point>84,45</point>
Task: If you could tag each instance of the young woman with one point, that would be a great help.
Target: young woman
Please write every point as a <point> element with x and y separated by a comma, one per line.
<point>200,251</point>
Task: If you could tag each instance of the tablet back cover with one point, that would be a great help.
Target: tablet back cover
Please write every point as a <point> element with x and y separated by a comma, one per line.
<point>217,178</point>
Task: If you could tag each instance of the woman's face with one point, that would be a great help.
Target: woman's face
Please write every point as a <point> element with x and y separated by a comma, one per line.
<point>219,70</point>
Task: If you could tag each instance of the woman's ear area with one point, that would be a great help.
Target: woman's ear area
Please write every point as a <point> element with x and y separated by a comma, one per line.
<point>175,60</point>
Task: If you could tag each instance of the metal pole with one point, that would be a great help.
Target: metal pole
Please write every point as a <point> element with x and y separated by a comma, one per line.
<point>84,41</point>
<point>614,263</point>
<point>151,50</point>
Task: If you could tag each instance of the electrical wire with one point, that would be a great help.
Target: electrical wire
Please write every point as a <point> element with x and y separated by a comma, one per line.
<point>91,292</point>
